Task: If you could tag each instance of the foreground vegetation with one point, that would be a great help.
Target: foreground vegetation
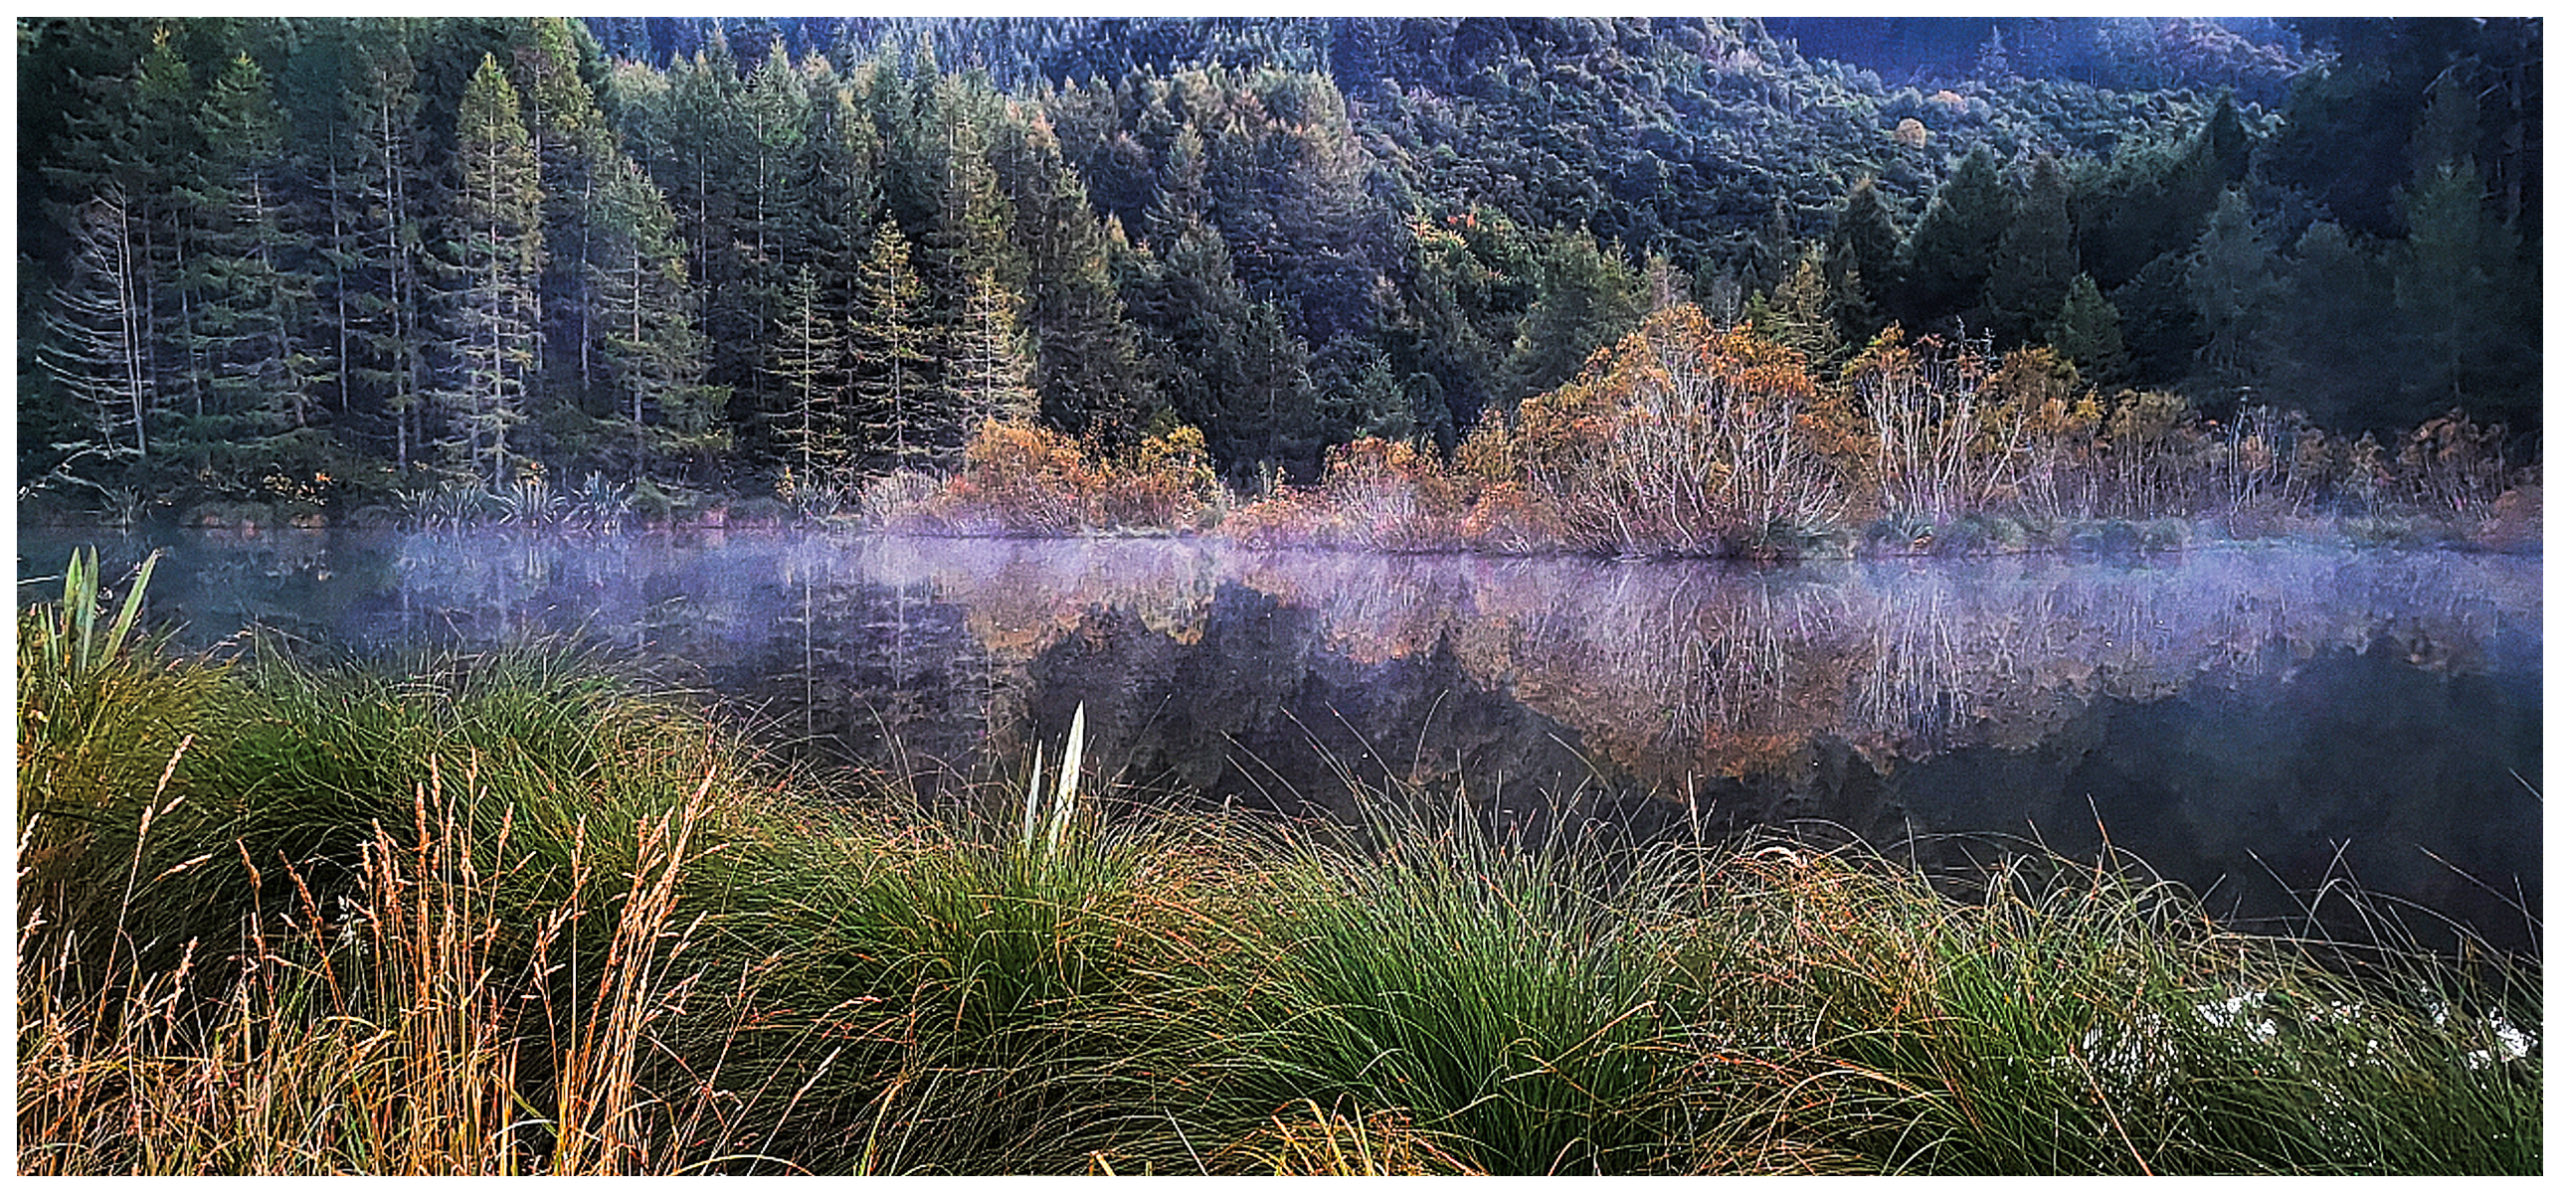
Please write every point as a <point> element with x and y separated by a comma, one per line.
<point>512,913</point>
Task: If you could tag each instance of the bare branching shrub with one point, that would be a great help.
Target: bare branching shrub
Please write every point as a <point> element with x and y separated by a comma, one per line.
<point>2453,467</point>
<point>1689,439</point>
<point>1019,478</point>
<point>1947,441</point>
<point>898,499</point>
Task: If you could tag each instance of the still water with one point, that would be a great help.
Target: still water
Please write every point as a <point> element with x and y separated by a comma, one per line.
<point>2248,720</point>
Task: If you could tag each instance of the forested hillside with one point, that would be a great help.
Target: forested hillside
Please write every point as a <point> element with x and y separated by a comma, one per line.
<point>347,260</point>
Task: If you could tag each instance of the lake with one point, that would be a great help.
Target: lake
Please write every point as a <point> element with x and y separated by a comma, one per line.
<point>2249,720</point>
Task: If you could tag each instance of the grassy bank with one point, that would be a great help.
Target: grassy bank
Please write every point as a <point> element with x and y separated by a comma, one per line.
<point>511,913</point>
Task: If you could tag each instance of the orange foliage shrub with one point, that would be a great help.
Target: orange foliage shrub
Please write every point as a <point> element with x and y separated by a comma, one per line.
<point>1017,478</point>
<point>1165,482</point>
<point>1507,518</point>
<point>1376,493</point>
<point>1686,438</point>
<point>1947,433</point>
<point>2453,465</point>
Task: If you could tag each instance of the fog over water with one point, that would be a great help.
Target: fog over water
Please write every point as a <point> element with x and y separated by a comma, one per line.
<point>2245,719</point>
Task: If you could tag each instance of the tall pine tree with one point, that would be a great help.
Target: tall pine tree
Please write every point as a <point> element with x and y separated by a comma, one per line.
<point>495,245</point>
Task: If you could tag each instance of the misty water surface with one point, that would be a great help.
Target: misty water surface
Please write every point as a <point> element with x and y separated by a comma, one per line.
<point>2246,719</point>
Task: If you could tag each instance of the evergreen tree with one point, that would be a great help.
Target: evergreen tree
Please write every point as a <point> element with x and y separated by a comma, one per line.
<point>381,276</point>
<point>253,306</point>
<point>891,388</point>
<point>810,384</point>
<point>972,224</point>
<point>1224,363</point>
<point>1587,300</point>
<point>2230,284</point>
<point>842,194</point>
<point>2153,200</point>
<point>1089,372</point>
<point>651,353</point>
<point>2161,336</point>
<point>496,257</point>
<point>1267,407</point>
<point>2089,333</point>
<point>768,170</point>
<point>2335,343</point>
<point>1374,406</point>
<point>571,142</point>
<point>696,160</point>
<point>1801,314</point>
<point>1858,260</point>
<point>2033,267</point>
<point>167,149</point>
<point>1949,256</point>
<point>989,365</point>
<point>2454,280</point>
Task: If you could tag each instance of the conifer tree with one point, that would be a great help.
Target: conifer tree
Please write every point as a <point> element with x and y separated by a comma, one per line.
<point>383,277</point>
<point>695,160</point>
<point>2334,315</point>
<point>2229,285</point>
<point>972,226</point>
<point>1858,260</point>
<point>887,340</point>
<point>2032,268</point>
<point>1089,372</point>
<point>496,258</point>
<point>1801,314</point>
<point>1949,255</point>
<point>989,366</point>
<point>252,306</point>
<point>1587,300</point>
<point>650,355</point>
<point>2089,333</point>
<point>810,384</point>
<point>571,141</point>
<point>2454,279</point>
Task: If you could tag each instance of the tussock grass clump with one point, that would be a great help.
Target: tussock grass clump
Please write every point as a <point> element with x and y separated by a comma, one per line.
<point>1500,998</point>
<point>2069,1018</point>
<point>509,913</point>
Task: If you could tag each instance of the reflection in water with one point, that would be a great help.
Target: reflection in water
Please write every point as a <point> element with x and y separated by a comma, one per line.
<point>2222,715</point>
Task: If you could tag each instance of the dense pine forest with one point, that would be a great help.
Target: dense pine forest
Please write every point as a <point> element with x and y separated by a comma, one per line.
<point>342,266</point>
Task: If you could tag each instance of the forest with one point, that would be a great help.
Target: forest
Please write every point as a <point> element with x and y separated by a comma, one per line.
<point>349,267</point>
<point>670,596</point>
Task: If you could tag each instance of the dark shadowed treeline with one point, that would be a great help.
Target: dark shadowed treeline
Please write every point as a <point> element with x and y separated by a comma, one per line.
<point>318,265</point>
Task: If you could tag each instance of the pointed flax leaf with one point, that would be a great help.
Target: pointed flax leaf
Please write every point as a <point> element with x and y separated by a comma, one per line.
<point>1069,769</point>
<point>132,606</point>
<point>1031,799</point>
<point>80,603</point>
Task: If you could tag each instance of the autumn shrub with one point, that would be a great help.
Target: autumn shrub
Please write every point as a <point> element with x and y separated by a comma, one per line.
<point>1688,439</point>
<point>2452,467</point>
<point>898,498</point>
<point>1017,478</point>
<point>1020,478</point>
<point>1164,482</point>
<point>1378,494</point>
<point>1945,440</point>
